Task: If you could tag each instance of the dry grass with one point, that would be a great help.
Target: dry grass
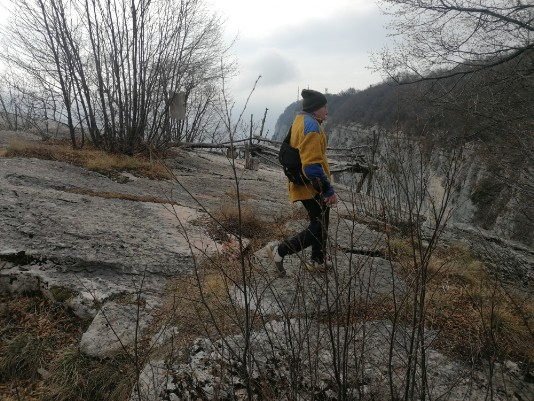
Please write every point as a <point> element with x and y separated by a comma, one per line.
<point>39,359</point>
<point>477,317</point>
<point>201,306</point>
<point>244,220</point>
<point>228,220</point>
<point>78,377</point>
<point>32,331</point>
<point>91,159</point>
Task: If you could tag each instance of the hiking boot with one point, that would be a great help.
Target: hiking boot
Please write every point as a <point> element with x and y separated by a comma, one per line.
<point>314,266</point>
<point>272,251</point>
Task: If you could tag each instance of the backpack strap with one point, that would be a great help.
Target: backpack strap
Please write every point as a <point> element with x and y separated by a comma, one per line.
<point>288,136</point>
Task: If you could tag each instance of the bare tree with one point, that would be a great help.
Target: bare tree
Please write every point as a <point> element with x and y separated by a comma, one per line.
<point>473,34</point>
<point>116,65</point>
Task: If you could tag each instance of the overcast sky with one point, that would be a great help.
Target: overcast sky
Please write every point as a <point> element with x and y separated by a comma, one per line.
<point>294,44</point>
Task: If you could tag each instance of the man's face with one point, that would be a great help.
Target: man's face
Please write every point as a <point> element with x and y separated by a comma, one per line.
<point>321,113</point>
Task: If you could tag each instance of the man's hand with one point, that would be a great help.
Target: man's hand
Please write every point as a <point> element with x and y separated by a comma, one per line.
<point>330,200</point>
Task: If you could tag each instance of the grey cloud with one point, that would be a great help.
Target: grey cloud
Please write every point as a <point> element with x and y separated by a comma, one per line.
<point>341,34</point>
<point>323,53</point>
<point>274,68</point>
<point>333,51</point>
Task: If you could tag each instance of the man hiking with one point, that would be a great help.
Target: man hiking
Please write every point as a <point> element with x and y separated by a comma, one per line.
<point>317,195</point>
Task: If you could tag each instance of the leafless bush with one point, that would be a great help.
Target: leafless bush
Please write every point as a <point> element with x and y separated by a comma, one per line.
<point>109,71</point>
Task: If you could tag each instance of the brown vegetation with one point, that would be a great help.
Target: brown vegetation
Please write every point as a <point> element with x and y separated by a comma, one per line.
<point>33,330</point>
<point>91,159</point>
<point>475,314</point>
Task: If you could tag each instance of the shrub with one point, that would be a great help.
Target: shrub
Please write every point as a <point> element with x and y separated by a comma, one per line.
<point>78,377</point>
<point>22,356</point>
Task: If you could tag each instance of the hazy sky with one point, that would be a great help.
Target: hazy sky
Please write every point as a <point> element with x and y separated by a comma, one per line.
<point>295,44</point>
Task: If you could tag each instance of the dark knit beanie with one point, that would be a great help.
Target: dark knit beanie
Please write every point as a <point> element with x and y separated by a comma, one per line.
<point>312,100</point>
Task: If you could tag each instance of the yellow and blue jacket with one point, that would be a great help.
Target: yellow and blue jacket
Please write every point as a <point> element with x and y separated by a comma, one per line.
<point>308,137</point>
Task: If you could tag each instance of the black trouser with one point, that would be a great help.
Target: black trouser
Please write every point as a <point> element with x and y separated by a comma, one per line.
<point>314,235</point>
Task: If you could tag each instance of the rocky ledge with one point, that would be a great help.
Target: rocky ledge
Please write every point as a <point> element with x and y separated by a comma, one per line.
<point>99,255</point>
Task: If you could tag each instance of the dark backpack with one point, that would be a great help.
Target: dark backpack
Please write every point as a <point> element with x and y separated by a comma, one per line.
<point>289,158</point>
